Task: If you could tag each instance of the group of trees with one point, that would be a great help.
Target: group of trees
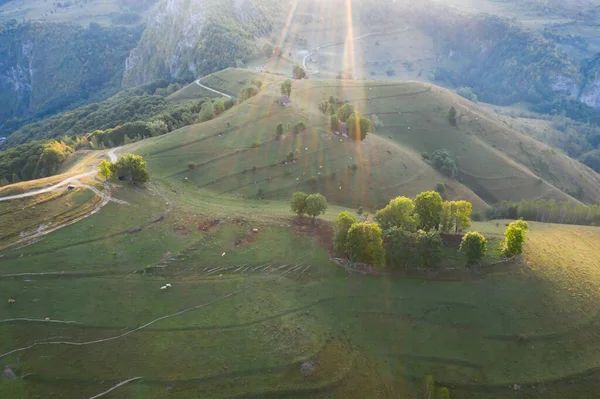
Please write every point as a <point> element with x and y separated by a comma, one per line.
<point>406,232</point>
<point>442,161</point>
<point>547,211</point>
<point>296,128</point>
<point>345,115</point>
<point>32,160</point>
<point>298,72</point>
<point>286,88</point>
<point>308,204</point>
<point>129,167</point>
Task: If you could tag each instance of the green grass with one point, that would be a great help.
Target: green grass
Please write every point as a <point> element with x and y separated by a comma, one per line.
<point>366,336</point>
<point>259,304</point>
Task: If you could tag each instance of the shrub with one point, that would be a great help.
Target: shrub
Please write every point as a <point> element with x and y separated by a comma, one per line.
<point>248,92</point>
<point>279,130</point>
<point>343,222</point>
<point>443,162</point>
<point>191,165</point>
<point>425,155</point>
<point>467,93</point>
<point>441,188</point>
<point>474,247</point>
<point>130,167</point>
<point>477,216</point>
<point>360,210</point>
<point>515,236</point>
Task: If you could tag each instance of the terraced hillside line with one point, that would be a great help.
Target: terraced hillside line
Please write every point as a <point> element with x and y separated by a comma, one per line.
<point>115,387</point>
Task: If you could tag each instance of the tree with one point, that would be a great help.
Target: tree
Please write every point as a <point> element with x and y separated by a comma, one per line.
<point>344,112</point>
<point>429,206</point>
<point>130,167</point>
<point>428,248</point>
<point>299,72</point>
<point>452,116</point>
<point>343,222</point>
<point>442,393</point>
<point>105,169</point>
<point>400,248</point>
<point>298,203</point>
<point>299,126</point>
<point>515,235</point>
<point>365,244</point>
<point>443,162</point>
<point>286,88</point>
<point>316,205</point>
<point>279,130</point>
<point>463,215</point>
<point>207,112</point>
<point>333,123</point>
<point>268,50</point>
<point>248,92</point>
<point>448,216</point>
<point>15,178</point>
<point>398,213</point>
<point>474,247</point>
<point>4,182</point>
<point>358,127</point>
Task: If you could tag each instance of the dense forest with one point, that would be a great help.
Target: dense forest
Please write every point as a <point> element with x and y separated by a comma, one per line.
<point>32,160</point>
<point>48,67</point>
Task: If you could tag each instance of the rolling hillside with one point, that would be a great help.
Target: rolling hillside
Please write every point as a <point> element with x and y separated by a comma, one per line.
<point>239,154</point>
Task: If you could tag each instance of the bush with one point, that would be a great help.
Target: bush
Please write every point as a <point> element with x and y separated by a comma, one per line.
<point>343,222</point>
<point>474,247</point>
<point>477,216</point>
<point>425,155</point>
<point>191,165</point>
<point>441,188</point>
<point>279,130</point>
<point>360,210</point>
<point>130,167</point>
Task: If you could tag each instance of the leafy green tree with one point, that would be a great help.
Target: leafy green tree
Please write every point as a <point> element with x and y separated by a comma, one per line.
<point>130,167</point>
<point>4,182</point>
<point>344,112</point>
<point>467,93</point>
<point>358,127</point>
<point>268,50</point>
<point>515,236</point>
<point>316,205</point>
<point>429,249</point>
<point>474,247</point>
<point>365,244</point>
<point>299,126</point>
<point>15,178</point>
<point>452,116</point>
<point>398,213</point>
<point>400,248</point>
<point>333,123</point>
<point>299,72</point>
<point>463,215</point>
<point>286,88</point>
<point>248,92</point>
<point>429,206</point>
<point>207,112</point>
<point>442,393</point>
<point>298,203</point>
<point>105,169</point>
<point>448,216</point>
<point>279,130</point>
<point>443,162</point>
<point>343,222</point>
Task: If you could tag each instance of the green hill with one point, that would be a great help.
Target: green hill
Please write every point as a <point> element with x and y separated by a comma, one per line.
<point>239,154</point>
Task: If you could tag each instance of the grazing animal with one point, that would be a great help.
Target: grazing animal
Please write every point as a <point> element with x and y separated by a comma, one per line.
<point>168,285</point>
<point>164,287</point>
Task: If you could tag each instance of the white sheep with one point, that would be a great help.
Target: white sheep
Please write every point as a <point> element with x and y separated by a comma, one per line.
<point>168,285</point>
<point>164,287</point>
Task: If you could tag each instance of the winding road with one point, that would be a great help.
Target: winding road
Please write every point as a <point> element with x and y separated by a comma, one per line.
<point>73,179</point>
<point>197,81</point>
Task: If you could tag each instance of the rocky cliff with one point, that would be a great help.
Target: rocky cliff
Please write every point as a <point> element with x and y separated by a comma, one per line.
<point>186,38</point>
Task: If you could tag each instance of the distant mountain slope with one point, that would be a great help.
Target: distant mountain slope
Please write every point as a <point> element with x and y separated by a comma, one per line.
<point>238,152</point>
<point>189,38</point>
<point>45,68</point>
